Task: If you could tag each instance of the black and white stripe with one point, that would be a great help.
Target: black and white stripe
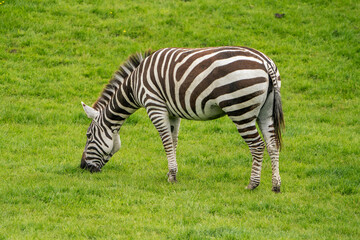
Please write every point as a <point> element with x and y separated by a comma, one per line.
<point>194,84</point>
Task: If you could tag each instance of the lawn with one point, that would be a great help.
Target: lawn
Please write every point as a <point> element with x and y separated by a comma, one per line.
<point>55,54</point>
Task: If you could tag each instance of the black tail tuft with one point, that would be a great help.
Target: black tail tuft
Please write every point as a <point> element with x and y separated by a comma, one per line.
<point>279,123</point>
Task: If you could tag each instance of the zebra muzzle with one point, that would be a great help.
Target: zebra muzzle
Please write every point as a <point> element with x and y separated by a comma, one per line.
<point>93,168</point>
<point>84,165</point>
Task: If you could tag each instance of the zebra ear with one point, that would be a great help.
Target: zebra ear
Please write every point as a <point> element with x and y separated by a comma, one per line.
<point>90,112</point>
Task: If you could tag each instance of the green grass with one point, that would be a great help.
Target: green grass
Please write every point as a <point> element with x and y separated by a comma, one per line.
<point>54,54</point>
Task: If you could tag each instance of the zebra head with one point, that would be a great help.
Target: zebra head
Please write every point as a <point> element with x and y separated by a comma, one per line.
<point>101,143</point>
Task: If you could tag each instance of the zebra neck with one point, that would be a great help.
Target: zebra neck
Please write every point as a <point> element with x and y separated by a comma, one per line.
<point>119,108</point>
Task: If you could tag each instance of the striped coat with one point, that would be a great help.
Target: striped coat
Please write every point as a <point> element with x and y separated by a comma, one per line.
<point>194,84</point>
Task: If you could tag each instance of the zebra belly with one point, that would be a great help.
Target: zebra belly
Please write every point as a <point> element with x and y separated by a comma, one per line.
<point>213,112</point>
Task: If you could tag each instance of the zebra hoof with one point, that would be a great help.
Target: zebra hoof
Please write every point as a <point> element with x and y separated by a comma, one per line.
<point>252,186</point>
<point>276,189</point>
<point>276,182</point>
<point>172,177</point>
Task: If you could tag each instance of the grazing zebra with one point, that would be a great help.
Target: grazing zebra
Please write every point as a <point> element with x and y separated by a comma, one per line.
<point>194,84</point>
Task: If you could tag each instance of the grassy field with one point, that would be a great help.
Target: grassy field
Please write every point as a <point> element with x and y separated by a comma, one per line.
<point>56,53</point>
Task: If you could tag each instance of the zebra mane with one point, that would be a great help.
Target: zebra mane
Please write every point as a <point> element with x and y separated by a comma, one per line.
<point>118,78</point>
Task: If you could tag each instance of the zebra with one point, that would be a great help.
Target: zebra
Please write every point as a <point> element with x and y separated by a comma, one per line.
<point>194,84</point>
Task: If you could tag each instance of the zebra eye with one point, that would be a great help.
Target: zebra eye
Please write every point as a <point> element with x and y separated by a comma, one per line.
<point>88,135</point>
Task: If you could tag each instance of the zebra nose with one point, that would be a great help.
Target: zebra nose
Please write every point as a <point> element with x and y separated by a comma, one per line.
<point>93,169</point>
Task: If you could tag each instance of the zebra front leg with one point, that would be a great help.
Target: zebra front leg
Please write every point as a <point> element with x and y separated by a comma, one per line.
<point>175,125</point>
<point>174,128</point>
<point>161,121</point>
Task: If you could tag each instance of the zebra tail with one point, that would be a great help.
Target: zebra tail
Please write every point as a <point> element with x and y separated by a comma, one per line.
<point>278,117</point>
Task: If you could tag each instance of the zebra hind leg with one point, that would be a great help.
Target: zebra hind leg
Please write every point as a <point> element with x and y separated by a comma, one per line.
<point>248,131</point>
<point>257,147</point>
<point>267,129</point>
<point>266,125</point>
